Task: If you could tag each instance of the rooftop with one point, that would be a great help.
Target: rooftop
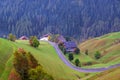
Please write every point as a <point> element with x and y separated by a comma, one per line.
<point>70,44</point>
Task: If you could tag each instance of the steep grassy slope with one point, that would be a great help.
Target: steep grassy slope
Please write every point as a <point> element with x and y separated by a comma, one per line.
<point>6,50</point>
<point>113,74</point>
<point>108,45</point>
<point>45,54</point>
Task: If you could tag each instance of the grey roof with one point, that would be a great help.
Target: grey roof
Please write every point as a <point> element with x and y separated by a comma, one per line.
<point>70,44</point>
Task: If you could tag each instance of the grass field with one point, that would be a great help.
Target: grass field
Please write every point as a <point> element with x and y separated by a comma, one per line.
<point>113,74</point>
<point>46,56</point>
<point>108,45</point>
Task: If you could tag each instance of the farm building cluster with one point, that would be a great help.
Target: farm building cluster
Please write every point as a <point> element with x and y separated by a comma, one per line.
<point>68,45</point>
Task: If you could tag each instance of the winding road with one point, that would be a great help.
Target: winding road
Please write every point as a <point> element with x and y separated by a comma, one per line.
<point>89,70</point>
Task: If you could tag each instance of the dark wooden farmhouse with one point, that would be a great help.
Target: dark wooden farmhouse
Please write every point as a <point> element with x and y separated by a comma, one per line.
<point>70,46</point>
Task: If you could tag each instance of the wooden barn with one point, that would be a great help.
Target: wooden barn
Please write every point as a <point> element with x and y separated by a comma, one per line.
<point>70,46</point>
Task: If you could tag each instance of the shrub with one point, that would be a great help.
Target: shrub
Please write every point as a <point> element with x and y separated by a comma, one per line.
<point>86,51</point>
<point>34,41</point>
<point>89,63</point>
<point>97,55</point>
<point>39,74</point>
<point>77,62</point>
<point>77,50</point>
<point>11,37</point>
<point>64,51</point>
<point>70,56</point>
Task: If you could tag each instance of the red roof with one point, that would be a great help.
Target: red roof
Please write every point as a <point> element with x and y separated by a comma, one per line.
<point>23,38</point>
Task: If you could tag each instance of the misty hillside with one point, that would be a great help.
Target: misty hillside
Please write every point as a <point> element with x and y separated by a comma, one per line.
<point>86,18</point>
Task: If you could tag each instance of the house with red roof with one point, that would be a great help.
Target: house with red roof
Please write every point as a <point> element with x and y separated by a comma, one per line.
<point>23,38</point>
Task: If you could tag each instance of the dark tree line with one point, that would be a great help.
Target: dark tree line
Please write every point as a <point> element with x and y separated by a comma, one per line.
<point>77,18</point>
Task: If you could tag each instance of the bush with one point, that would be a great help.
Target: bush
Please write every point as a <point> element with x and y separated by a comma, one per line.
<point>89,63</point>
<point>97,55</point>
<point>77,50</point>
<point>34,41</point>
<point>77,62</point>
<point>71,57</point>
<point>39,74</point>
<point>11,37</point>
<point>86,51</point>
<point>64,51</point>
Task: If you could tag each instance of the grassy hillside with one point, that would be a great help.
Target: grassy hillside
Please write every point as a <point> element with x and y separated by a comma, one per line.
<point>6,50</point>
<point>45,55</point>
<point>108,45</point>
<point>113,74</point>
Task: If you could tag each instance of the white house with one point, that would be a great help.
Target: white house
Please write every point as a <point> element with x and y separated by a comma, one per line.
<point>44,39</point>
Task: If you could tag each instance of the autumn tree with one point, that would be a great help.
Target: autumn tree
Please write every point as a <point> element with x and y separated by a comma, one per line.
<point>27,67</point>
<point>21,63</point>
<point>11,37</point>
<point>39,74</point>
<point>33,63</point>
<point>34,41</point>
<point>14,75</point>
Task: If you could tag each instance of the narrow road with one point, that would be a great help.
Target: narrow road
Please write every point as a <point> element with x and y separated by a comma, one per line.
<point>90,70</point>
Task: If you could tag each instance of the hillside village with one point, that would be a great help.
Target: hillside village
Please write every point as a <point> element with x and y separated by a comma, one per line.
<point>59,39</point>
<point>68,45</point>
<point>90,54</point>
